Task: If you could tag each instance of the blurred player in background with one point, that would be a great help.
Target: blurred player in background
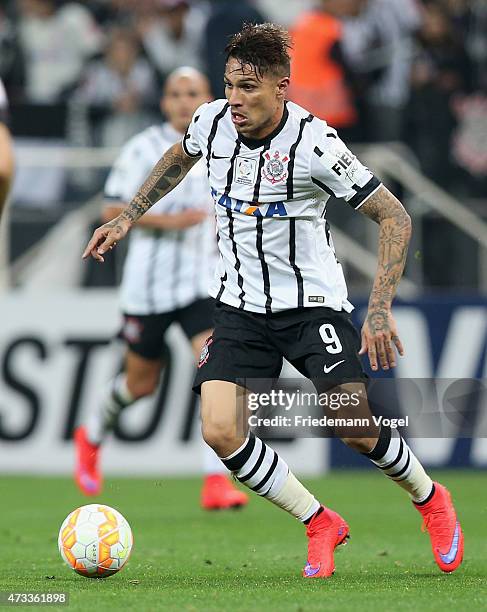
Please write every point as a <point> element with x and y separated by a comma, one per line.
<point>169,264</point>
<point>6,152</point>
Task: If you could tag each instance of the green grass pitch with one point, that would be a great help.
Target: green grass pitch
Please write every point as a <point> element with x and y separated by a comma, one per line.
<point>186,559</point>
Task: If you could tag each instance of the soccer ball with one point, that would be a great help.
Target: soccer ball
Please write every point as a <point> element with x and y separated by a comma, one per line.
<point>95,541</point>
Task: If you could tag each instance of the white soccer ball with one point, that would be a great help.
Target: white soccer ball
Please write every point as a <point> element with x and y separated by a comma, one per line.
<point>95,541</point>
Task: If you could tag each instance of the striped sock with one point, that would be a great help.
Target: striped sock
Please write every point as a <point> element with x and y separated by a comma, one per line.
<point>261,469</point>
<point>100,421</point>
<point>393,456</point>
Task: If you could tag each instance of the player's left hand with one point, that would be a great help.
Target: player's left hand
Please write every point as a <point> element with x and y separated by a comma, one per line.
<point>106,237</point>
<point>379,336</point>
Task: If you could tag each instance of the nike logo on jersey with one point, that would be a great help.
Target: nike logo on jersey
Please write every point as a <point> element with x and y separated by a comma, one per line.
<point>213,156</point>
<point>328,369</point>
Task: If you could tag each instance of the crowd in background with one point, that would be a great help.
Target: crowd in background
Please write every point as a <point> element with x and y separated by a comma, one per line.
<point>378,70</point>
<point>409,71</point>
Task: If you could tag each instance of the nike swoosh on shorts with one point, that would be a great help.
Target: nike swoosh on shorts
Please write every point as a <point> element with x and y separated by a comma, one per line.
<point>328,369</point>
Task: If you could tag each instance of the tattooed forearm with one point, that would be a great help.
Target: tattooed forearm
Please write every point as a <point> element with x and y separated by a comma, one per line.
<point>167,173</point>
<point>394,236</point>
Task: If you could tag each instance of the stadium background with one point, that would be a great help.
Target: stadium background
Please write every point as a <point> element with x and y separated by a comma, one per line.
<point>83,77</point>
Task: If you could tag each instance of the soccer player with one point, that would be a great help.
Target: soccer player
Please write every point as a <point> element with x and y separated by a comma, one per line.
<point>6,152</point>
<point>165,280</point>
<point>280,291</point>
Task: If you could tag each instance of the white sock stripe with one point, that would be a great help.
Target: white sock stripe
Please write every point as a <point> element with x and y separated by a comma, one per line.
<point>397,467</point>
<point>405,476</point>
<point>239,449</point>
<point>417,483</point>
<point>251,461</point>
<point>406,470</point>
<point>264,485</point>
<point>280,476</point>
<point>102,416</point>
<point>392,451</point>
<point>262,469</point>
<point>120,392</point>
<point>268,475</point>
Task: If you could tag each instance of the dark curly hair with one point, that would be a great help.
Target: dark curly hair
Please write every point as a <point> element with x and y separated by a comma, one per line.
<point>263,46</point>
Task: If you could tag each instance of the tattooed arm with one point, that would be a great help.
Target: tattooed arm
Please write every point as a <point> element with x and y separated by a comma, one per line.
<point>379,331</point>
<point>169,171</point>
<point>161,221</point>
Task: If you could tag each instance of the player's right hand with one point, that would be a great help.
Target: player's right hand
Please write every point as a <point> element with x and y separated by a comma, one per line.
<point>184,219</point>
<point>379,338</point>
<point>106,237</point>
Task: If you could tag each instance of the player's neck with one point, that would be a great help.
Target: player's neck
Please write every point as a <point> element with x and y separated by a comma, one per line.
<point>270,130</point>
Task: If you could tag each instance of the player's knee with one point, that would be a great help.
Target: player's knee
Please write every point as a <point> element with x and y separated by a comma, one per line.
<point>361,445</point>
<point>220,437</point>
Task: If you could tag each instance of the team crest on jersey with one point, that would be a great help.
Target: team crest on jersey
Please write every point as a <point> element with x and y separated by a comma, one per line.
<point>275,168</point>
<point>205,352</point>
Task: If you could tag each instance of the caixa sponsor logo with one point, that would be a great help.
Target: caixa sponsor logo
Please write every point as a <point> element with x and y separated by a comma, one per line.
<point>254,209</point>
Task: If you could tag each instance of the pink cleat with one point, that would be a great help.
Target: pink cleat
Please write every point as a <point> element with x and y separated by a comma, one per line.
<point>219,493</point>
<point>440,520</point>
<point>325,532</point>
<point>87,476</point>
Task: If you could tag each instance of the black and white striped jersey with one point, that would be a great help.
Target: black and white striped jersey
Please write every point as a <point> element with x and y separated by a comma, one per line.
<point>164,270</point>
<point>270,195</point>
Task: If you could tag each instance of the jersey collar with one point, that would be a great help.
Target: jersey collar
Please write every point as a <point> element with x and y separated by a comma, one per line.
<point>255,143</point>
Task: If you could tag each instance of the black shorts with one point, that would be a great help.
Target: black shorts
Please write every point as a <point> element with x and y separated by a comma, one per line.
<point>322,344</point>
<point>144,334</point>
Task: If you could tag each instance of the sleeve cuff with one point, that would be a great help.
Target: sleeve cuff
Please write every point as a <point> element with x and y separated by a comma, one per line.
<point>185,148</point>
<point>364,193</point>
